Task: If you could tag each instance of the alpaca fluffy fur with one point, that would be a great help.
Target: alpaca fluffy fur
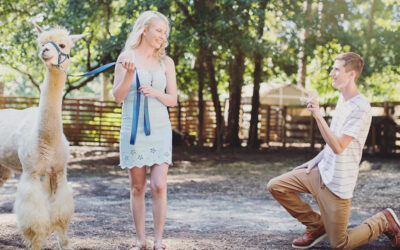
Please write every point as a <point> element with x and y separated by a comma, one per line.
<point>32,142</point>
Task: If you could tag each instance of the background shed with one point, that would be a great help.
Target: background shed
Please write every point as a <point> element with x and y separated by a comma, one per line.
<point>278,94</point>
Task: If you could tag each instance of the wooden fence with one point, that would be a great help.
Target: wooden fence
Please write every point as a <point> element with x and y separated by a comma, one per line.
<point>84,121</point>
<point>184,118</point>
<point>98,122</point>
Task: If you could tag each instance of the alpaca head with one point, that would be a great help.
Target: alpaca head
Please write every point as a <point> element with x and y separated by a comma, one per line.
<point>55,45</point>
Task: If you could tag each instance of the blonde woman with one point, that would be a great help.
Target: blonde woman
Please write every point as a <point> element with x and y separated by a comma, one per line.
<point>146,84</point>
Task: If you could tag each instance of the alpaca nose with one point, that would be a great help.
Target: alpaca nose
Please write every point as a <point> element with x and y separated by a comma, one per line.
<point>45,54</point>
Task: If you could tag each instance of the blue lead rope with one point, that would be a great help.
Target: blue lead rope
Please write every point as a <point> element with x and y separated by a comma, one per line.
<point>136,103</point>
<point>98,70</point>
<point>136,110</point>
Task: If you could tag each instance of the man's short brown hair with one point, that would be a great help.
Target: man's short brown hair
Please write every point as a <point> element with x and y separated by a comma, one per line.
<point>352,61</point>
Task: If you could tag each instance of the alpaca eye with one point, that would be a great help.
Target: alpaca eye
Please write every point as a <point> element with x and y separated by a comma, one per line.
<point>61,45</point>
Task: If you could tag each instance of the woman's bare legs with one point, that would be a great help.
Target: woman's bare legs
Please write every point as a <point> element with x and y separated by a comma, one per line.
<point>137,179</point>
<point>158,182</point>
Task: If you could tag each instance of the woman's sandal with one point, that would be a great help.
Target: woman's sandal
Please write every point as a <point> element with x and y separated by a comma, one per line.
<point>159,246</point>
<point>138,246</point>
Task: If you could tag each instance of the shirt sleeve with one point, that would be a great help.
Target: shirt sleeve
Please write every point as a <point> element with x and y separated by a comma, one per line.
<point>354,122</point>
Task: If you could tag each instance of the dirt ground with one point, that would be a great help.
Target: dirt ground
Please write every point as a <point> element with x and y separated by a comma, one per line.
<point>215,201</point>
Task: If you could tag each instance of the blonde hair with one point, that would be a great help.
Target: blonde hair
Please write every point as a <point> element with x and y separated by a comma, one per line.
<point>352,61</point>
<point>144,21</point>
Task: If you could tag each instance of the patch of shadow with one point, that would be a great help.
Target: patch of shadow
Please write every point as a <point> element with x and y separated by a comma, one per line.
<point>98,167</point>
<point>7,208</point>
<point>104,189</point>
<point>11,244</point>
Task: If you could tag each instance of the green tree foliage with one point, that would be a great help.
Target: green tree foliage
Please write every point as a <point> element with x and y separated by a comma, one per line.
<point>319,68</point>
<point>19,62</point>
<point>213,44</point>
<point>367,27</point>
<point>383,85</point>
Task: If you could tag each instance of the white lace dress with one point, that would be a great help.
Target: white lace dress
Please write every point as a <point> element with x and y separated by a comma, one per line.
<point>157,147</point>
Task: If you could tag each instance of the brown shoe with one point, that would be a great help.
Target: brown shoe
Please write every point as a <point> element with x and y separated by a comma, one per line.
<point>393,229</point>
<point>309,239</point>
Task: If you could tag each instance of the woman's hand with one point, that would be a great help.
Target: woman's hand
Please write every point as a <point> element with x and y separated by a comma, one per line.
<point>128,65</point>
<point>149,91</point>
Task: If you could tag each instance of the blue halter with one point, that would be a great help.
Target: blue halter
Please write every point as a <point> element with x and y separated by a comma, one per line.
<point>61,55</point>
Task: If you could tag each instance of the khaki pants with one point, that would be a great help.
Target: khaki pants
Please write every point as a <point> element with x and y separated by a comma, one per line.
<point>334,210</point>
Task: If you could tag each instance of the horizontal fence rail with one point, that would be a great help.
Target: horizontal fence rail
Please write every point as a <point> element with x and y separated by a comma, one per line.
<point>91,122</point>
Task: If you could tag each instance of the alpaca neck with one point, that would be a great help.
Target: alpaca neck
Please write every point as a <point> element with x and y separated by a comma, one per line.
<point>50,106</point>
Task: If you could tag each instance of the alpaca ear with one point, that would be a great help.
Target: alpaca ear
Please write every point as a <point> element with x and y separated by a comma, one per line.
<point>39,30</point>
<point>75,38</point>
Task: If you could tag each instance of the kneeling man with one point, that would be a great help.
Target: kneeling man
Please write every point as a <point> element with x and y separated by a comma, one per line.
<point>332,175</point>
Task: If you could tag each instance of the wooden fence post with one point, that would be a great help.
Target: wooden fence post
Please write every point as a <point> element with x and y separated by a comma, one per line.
<point>268,127</point>
<point>100,124</point>
<point>77,126</point>
<point>2,102</point>
<point>283,132</point>
<point>178,107</point>
<point>312,137</point>
<point>386,108</point>
<point>30,102</point>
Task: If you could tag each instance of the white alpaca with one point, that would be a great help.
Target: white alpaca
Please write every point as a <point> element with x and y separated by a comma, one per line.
<point>32,142</point>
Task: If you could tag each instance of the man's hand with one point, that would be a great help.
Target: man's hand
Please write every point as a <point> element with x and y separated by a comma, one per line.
<point>313,106</point>
<point>308,166</point>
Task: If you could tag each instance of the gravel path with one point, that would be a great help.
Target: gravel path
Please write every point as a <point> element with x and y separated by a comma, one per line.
<point>215,201</point>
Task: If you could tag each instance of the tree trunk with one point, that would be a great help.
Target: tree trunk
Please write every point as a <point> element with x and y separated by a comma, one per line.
<point>235,93</point>
<point>369,32</point>
<point>215,97</point>
<point>200,20</point>
<point>302,63</point>
<point>200,69</point>
<point>1,88</point>
<point>253,141</point>
<point>104,80</point>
